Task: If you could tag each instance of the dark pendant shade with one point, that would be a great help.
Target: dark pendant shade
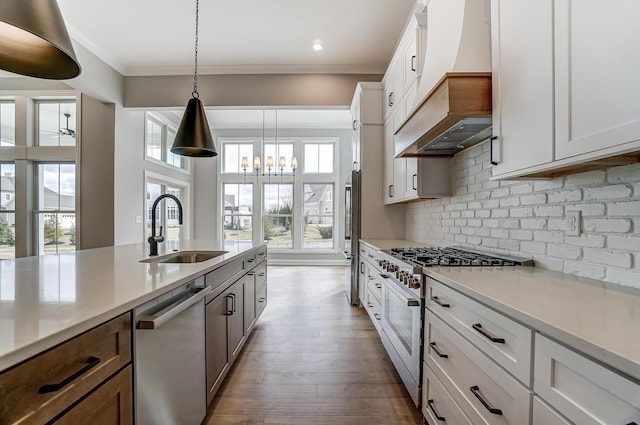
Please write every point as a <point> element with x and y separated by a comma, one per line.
<point>34,40</point>
<point>194,135</point>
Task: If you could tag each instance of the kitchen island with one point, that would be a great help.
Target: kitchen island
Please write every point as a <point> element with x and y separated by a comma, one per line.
<point>53,308</point>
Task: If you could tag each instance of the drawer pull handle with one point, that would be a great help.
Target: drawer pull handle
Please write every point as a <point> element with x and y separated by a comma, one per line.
<point>51,388</point>
<point>261,300</point>
<point>376,315</point>
<point>370,305</point>
<point>632,423</point>
<point>478,327</point>
<point>434,347</point>
<point>440,303</point>
<point>379,285</point>
<point>261,274</point>
<point>251,274</point>
<point>435,413</point>
<point>476,392</point>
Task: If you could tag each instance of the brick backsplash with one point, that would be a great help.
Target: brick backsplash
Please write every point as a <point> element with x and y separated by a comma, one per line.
<point>526,218</point>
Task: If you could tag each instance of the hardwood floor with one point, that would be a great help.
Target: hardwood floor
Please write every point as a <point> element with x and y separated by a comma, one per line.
<point>312,359</point>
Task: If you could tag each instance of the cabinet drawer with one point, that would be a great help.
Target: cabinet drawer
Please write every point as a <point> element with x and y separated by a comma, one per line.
<point>111,404</point>
<point>582,390</point>
<point>375,286</point>
<point>437,404</point>
<point>545,415</point>
<point>256,256</point>
<point>484,391</point>
<point>261,300</point>
<point>261,274</point>
<point>374,309</point>
<point>502,339</point>
<point>75,367</point>
<point>223,275</point>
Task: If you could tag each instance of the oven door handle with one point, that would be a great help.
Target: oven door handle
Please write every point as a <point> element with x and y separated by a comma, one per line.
<point>411,302</point>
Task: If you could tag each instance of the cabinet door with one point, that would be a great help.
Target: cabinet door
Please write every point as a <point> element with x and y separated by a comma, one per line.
<point>236,318</point>
<point>388,188</point>
<point>410,67</point>
<point>597,69</point>
<point>522,62</point>
<point>110,404</point>
<point>545,415</point>
<point>250,300</point>
<point>217,352</point>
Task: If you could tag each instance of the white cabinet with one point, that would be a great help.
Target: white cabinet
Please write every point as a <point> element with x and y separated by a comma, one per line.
<point>596,75</point>
<point>564,85</point>
<point>582,390</point>
<point>437,404</point>
<point>545,415</point>
<point>365,110</point>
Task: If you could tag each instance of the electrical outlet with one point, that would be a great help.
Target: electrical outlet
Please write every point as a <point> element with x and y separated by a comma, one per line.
<point>138,219</point>
<point>572,223</point>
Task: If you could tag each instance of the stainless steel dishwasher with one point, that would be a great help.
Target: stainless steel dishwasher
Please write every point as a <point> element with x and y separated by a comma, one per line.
<point>169,351</point>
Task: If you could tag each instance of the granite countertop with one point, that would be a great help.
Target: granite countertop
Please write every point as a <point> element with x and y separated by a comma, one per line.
<point>48,299</point>
<point>599,319</point>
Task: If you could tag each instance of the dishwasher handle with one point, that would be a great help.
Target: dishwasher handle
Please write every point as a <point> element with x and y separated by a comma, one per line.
<point>154,322</point>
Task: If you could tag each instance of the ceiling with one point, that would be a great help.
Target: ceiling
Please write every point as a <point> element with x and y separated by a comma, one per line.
<point>156,37</point>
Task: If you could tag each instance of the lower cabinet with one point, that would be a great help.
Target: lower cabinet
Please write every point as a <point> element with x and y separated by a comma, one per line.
<point>110,404</point>
<point>250,281</point>
<point>545,415</point>
<point>437,404</point>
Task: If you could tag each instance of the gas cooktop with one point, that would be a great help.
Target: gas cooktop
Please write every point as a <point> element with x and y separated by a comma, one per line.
<point>455,257</point>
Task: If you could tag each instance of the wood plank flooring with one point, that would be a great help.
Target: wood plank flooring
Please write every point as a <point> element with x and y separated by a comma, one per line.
<point>312,359</point>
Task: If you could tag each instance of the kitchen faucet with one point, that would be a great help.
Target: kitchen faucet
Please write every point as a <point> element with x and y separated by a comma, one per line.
<point>153,239</point>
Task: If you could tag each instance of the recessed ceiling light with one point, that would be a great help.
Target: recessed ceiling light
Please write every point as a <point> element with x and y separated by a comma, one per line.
<point>317,46</point>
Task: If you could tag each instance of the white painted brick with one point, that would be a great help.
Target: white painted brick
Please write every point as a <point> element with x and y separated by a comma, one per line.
<point>584,179</point>
<point>460,239</point>
<point>474,240</point>
<point>475,205</point>
<point>455,214</point>
<point>617,209</point>
<point>584,269</point>
<point>609,258</point>
<point>500,193</point>
<point>565,196</point>
<point>624,277</point>
<point>461,222</point>
<point>607,192</point>
<point>483,213</point>
<point>490,243</point>
<point>590,241</point>
<point>468,214</point>
<point>549,211</point>
<point>549,263</point>
<point>521,188</point>
<point>533,247</point>
<point>447,237</point>
<point>541,185</point>
<point>454,230</point>
<point>636,190</point>
<point>467,231</point>
<point>482,177</point>
<point>510,223</point>
<point>521,212</point>
<point>564,251</point>
<point>557,224</point>
<point>490,184</point>
<point>448,222</point>
<point>491,223</point>
<point>535,199</point>
<point>513,201</point>
<point>475,222</point>
<point>549,237</point>
<point>611,225</point>
<point>499,233</point>
<point>467,197</point>
<point>483,195</point>
<point>624,243</point>
<point>591,210</point>
<point>491,203</point>
<point>521,235</point>
<point>624,174</point>
<point>509,245</point>
<point>500,213</point>
<point>483,231</point>
<point>475,169</point>
<point>533,223</point>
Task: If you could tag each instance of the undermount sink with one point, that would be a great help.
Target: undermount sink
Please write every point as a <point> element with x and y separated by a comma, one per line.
<point>185,257</point>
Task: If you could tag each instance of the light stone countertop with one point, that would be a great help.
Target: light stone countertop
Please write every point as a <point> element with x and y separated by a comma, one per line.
<point>48,299</point>
<point>599,319</point>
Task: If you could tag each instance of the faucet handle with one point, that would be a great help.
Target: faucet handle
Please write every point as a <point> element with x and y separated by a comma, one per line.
<point>160,234</point>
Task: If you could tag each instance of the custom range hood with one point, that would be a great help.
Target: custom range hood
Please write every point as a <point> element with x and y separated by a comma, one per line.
<point>454,107</point>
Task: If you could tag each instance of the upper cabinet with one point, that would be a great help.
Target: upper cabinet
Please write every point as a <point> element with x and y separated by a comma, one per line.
<point>366,110</point>
<point>564,90</point>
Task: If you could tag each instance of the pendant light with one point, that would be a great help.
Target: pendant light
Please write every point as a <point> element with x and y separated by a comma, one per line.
<point>34,40</point>
<point>193,137</point>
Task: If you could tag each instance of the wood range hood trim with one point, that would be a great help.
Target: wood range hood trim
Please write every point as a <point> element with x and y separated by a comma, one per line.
<point>458,98</point>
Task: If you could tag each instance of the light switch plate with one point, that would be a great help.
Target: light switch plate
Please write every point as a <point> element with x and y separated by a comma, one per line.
<point>573,223</point>
<point>138,219</point>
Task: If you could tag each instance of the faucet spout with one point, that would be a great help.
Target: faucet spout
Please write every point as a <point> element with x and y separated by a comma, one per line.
<point>153,239</point>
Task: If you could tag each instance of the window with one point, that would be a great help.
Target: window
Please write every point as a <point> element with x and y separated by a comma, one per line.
<point>55,215</point>
<point>238,212</point>
<point>167,214</point>
<point>278,215</point>
<point>275,151</point>
<point>318,216</point>
<point>318,157</point>
<point>7,211</point>
<point>159,137</point>
<point>233,154</point>
<point>56,123</point>
<point>7,123</point>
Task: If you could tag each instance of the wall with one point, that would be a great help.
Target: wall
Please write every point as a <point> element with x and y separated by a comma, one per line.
<point>526,218</point>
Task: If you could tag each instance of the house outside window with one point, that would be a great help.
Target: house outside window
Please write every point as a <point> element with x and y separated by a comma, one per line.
<point>55,215</point>
<point>167,214</point>
<point>7,211</point>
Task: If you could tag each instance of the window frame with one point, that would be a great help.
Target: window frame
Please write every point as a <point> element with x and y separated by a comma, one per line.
<point>164,182</point>
<point>165,127</point>
<point>36,120</point>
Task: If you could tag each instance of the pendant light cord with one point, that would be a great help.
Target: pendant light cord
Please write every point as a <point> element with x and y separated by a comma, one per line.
<point>195,72</point>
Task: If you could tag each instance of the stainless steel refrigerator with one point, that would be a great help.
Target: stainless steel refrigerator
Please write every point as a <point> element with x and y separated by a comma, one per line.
<point>352,234</point>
